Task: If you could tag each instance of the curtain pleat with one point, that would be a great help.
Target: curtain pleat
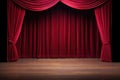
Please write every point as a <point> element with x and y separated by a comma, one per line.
<point>83,4</point>
<point>39,5</point>
<point>104,20</point>
<point>60,32</point>
<point>36,5</point>
<point>15,16</point>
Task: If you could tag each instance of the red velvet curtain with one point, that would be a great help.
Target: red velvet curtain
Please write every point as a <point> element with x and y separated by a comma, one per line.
<point>59,32</point>
<point>38,5</point>
<point>103,16</point>
<point>15,16</point>
<point>83,4</point>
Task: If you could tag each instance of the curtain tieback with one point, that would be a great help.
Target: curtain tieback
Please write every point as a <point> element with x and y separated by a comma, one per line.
<point>11,42</point>
<point>106,43</point>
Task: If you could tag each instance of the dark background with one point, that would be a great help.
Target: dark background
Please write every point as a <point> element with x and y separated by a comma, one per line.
<point>115,32</point>
<point>3,33</point>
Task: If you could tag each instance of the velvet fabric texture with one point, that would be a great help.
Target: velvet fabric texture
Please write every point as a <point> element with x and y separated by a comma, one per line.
<point>15,17</point>
<point>60,32</point>
<point>16,12</point>
<point>104,20</point>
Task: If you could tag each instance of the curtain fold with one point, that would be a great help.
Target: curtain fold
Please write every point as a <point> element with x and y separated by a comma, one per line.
<point>60,32</point>
<point>38,5</point>
<point>83,4</point>
<point>15,16</point>
<point>104,20</point>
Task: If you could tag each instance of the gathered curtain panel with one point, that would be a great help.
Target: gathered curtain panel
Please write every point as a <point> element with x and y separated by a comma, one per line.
<point>104,20</point>
<point>15,15</point>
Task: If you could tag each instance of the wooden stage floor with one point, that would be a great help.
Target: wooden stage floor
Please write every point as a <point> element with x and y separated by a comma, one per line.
<point>60,69</point>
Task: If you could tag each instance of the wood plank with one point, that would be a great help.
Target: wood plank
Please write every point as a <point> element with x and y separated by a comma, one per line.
<point>60,69</point>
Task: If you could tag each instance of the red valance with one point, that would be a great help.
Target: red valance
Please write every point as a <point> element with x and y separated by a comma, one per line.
<point>39,5</point>
<point>83,4</point>
<point>36,5</point>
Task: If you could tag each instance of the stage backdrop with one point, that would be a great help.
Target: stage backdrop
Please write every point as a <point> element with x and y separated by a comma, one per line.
<point>59,31</point>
